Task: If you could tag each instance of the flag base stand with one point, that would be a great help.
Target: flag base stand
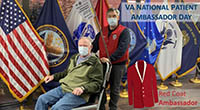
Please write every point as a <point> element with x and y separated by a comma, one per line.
<point>21,107</point>
<point>176,83</point>
<point>124,93</point>
<point>162,86</point>
<point>195,80</point>
<point>107,94</point>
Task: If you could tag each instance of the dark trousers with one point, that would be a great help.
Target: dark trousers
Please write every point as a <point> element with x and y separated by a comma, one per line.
<point>114,81</point>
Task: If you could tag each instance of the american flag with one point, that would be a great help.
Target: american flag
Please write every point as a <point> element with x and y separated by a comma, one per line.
<point>23,61</point>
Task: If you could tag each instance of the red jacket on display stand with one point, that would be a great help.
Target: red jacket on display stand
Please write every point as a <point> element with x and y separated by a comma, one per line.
<point>142,86</point>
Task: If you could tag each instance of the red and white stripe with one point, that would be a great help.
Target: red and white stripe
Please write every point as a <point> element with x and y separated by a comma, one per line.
<point>23,61</point>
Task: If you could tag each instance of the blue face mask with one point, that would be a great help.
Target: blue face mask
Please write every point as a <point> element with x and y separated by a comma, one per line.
<point>83,51</point>
<point>112,21</point>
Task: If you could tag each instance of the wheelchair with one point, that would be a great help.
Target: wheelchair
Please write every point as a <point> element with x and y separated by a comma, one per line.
<point>91,103</point>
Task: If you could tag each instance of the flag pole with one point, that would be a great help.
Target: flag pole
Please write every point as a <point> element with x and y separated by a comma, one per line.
<point>101,33</point>
<point>162,86</point>
<point>196,80</point>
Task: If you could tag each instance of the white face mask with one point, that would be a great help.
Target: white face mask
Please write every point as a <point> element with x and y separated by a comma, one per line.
<point>83,51</point>
<point>112,21</point>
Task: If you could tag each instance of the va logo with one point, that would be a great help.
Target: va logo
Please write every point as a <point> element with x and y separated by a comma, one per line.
<point>171,34</point>
<point>56,44</point>
<point>133,40</point>
<point>85,30</point>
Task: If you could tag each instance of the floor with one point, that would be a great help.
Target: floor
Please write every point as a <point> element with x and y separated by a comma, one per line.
<point>189,93</point>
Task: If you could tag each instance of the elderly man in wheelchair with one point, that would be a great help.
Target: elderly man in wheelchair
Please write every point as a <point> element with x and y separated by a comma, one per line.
<point>82,78</point>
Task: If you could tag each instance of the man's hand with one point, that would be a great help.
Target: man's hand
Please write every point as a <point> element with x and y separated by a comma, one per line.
<point>48,78</point>
<point>103,59</point>
<point>77,91</point>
